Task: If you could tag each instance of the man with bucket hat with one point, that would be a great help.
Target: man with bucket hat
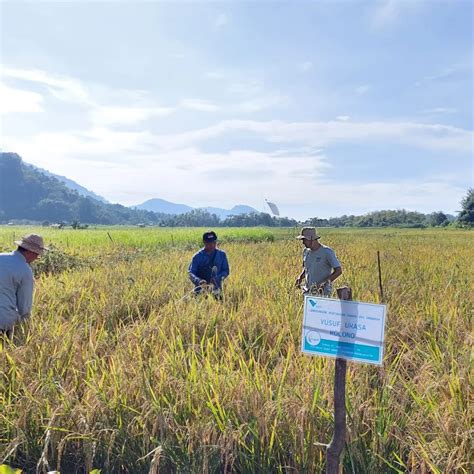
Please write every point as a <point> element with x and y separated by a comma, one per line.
<point>16,281</point>
<point>209,266</point>
<point>320,264</point>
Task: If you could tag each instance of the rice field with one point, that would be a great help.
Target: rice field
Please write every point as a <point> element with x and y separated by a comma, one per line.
<point>118,371</point>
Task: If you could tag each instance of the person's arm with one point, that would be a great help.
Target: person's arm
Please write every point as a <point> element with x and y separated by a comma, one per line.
<point>336,273</point>
<point>24,296</point>
<point>223,273</point>
<point>225,270</point>
<point>193,269</point>
<point>300,278</point>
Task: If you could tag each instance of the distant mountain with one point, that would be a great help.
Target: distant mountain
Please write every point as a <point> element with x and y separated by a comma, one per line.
<point>167,207</point>
<point>29,194</point>
<point>71,184</point>
<point>235,211</point>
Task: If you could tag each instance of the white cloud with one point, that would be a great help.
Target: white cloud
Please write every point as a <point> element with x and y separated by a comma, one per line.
<point>439,111</point>
<point>249,106</point>
<point>321,134</point>
<point>261,103</point>
<point>109,115</point>
<point>63,88</point>
<point>246,87</point>
<point>343,118</point>
<point>18,100</point>
<point>138,106</point>
<point>199,105</point>
<point>227,177</point>
<point>51,150</point>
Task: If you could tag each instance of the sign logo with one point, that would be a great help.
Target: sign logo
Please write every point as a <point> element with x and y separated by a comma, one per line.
<point>313,338</point>
<point>313,303</point>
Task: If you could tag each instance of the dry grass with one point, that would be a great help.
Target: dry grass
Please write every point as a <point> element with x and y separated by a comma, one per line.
<point>115,372</point>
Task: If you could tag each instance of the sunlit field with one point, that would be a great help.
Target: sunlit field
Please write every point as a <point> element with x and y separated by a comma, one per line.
<point>119,370</point>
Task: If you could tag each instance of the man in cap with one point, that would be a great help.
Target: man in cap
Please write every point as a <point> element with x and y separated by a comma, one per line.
<point>16,282</point>
<point>320,264</point>
<point>209,266</point>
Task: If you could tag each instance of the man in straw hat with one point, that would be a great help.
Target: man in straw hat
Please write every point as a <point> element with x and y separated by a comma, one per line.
<point>16,281</point>
<point>320,264</point>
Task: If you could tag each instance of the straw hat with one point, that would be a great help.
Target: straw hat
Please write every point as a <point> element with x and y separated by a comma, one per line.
<point>32,242</point>
<point>308,233</point>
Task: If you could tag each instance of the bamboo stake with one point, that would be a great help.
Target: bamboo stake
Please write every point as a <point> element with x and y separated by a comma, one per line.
<point>380,277</point>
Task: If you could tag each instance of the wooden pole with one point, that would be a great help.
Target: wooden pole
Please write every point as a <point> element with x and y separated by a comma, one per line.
<point>380,276</point>
<point>337,443</point>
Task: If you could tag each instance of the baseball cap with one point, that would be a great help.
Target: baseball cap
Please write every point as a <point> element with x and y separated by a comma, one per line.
<point>209,236</point>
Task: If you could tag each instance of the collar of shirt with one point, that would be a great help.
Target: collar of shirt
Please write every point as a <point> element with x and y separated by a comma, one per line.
<point>203,252</point>
<point>19,255</point>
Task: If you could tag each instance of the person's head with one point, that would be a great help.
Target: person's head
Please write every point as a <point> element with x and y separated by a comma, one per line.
<point>210,241</point>
<point>309,237</point>
<point>31,247</point>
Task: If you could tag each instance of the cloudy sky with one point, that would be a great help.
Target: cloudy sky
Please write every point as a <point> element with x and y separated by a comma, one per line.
<point>324,107</point>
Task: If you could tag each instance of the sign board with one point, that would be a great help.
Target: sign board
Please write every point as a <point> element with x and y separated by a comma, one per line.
<point>349,330</point>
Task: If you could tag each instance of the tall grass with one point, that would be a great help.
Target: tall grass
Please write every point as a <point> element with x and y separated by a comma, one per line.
<point>117,371</point>
<point>96,239</point>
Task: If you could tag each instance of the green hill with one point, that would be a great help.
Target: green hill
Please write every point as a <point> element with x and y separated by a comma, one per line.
<point>28,194</point>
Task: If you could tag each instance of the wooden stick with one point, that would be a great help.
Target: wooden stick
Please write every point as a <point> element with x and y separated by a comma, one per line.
<point>338,441</point>
<point>380,277</point>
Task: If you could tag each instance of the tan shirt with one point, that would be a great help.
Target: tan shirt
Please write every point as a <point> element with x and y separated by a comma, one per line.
<point>319,264</point>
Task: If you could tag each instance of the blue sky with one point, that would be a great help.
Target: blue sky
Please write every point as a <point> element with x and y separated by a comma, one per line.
<point>326,108</point>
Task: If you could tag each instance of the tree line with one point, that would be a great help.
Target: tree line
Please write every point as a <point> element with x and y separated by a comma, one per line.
<point>388,218</point>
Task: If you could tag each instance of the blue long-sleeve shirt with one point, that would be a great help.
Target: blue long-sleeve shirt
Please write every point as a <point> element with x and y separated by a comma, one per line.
<point>16,289</point>
<point>201,263</point>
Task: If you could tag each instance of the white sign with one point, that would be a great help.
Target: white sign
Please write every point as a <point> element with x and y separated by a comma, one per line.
<point>349,330</point>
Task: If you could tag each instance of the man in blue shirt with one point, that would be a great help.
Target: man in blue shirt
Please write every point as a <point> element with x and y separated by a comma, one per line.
<point>209,266</point>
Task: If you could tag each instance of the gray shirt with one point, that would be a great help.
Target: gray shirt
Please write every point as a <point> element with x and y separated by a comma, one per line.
<point>319,264</point>
<point>16,289</point>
